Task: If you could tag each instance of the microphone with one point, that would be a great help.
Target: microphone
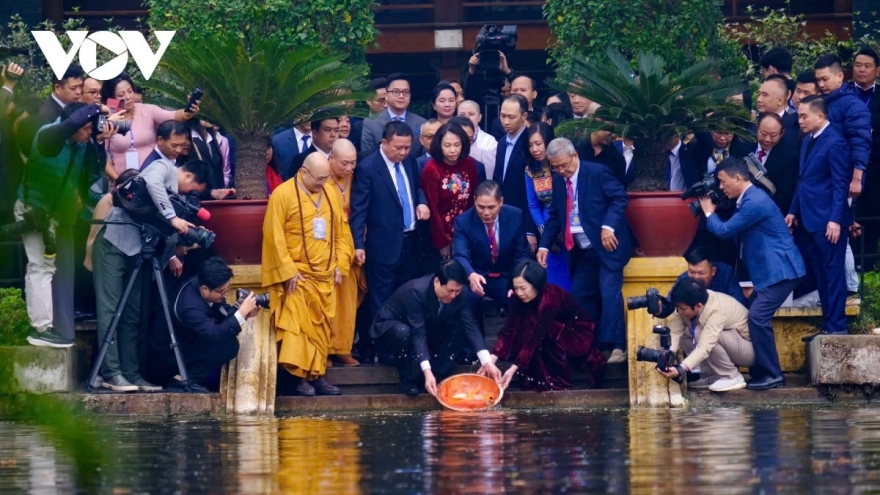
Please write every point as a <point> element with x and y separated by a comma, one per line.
<point>204,215</point>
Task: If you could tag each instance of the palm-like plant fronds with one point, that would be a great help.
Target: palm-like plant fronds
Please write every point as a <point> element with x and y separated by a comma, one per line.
<point>250,89</point>
<point>651,106</point>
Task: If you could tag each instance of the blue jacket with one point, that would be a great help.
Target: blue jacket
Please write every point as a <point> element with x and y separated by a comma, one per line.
<point>823,188</point>
<point>602,200</point>
<point>376,213</point>
<point>285,148</point>
<point>470,243</point>
<point>852,117</point>
<point>513,183</point>
<point>767,247</point>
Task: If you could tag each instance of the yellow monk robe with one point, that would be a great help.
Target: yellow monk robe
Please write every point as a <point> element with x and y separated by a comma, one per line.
<point>350,293</point>
<point>302,320</point>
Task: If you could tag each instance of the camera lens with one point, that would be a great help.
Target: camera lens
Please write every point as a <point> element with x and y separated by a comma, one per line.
<point>647,354</point>
<point>637,302</point>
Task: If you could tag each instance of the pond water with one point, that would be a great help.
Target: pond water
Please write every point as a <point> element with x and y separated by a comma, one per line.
<point>717,451</point>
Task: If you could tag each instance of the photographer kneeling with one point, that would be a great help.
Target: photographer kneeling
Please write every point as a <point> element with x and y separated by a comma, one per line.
<point>206,327</point>
<point>713,329</point>
<point>115,254</point>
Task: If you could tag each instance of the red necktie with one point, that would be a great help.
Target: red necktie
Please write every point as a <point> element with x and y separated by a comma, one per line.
<point>761,155</point>
<point>569,205</point>
<point>493,243</point>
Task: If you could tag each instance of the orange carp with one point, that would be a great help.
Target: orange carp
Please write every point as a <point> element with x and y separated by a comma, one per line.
<point>469,392</point>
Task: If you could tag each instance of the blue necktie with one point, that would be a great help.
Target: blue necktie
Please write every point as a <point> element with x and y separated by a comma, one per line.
<point>404,197</point>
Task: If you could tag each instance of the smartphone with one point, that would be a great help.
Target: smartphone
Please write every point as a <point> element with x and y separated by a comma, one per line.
<point>115,105</point>
<point>195,96</point>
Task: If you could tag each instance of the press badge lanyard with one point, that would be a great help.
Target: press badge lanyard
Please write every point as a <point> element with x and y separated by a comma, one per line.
<point>341,189</point>
<point>319,225</point>
<point>131,155</point>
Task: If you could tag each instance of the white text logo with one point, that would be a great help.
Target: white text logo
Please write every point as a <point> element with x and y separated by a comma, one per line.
<point>121,44</point>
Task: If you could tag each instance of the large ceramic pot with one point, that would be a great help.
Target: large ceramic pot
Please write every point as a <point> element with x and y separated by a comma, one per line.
<point>238,224</point>
<point>661,222</point>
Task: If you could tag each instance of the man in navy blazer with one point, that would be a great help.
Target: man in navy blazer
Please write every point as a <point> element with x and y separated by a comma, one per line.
<point>768,249</point>
<point>489,240</point>
<point>510,160</point>
<point>386,202</point>
<point>588,208</point>
<point>820,207</point>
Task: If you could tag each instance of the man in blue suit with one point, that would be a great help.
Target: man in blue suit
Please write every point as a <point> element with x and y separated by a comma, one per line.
<point>820,207</point>
<point>510,160</point>
<point>768,249</point>
<point>489,241</point>
<point>289,143</point>
<point>386,202</point>
<point>588,208</point>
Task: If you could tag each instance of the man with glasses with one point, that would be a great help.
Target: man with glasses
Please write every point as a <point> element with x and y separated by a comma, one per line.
<point>588,210</point>
<point>206,327</point>
<point>398,96</point>
<point>303,247</point>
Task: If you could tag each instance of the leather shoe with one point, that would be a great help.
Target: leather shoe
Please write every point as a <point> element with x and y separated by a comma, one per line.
<point>766,383</point>
<point>304,388</point>
<point>809,338</point>
<point>346,361</point>
<point>409,389</point>
<point>322,387</point>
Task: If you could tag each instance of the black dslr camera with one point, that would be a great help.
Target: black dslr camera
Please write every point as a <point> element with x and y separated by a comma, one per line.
<point>35,220</point>
<point>241,294</point>
<point>709,186</point>
<point>491,42</point>
<point>651,300</point>
<point>135,199</point>
<point>664,357</point>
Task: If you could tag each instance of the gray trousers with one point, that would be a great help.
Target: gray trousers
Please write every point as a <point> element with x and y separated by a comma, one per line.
<point>730,352</point>
<point>112,271</point>
<point>49,282</point>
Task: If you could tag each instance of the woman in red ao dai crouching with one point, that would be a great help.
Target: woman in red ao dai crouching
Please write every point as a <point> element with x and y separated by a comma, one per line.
<point>546,329</point>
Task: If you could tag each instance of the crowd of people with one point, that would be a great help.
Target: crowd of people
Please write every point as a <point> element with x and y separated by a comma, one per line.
<point>384,236</point>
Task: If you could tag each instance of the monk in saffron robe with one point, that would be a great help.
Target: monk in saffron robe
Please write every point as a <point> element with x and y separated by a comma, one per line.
<point>350,293</point>
<point>303,248</point>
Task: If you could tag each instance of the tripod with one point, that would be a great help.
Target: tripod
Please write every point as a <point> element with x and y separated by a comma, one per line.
<point>150,238</point>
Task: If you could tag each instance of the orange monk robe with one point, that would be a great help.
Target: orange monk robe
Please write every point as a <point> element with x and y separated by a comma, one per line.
<point>350,293</point>
<point>301,320</point>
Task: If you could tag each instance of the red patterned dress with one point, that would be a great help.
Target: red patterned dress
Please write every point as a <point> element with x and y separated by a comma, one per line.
<point>449,190</point>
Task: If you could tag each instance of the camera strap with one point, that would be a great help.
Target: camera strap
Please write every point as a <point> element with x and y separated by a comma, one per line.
<point>760,176</point>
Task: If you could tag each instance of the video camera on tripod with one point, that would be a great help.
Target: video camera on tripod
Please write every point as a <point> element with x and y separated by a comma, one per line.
<point>490,43</point>
<point>135,199</point>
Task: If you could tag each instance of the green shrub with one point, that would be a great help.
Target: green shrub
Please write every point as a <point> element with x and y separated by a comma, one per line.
<point>14,321</point>
<point>869,314</point>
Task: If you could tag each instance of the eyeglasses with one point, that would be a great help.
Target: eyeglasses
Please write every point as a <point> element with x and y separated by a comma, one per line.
<point>320,180</point>
<point>221,291</point>
<point>399,92</point>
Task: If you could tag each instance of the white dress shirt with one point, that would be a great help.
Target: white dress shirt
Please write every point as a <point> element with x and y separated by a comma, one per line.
<point>483,150</point>
<point>766,154</point>
<point>676,178</point>
<point>409,195</point>
<point>58,101</point>
<point>820,131</point>
<point>299,142</point>
<point>628,155</point>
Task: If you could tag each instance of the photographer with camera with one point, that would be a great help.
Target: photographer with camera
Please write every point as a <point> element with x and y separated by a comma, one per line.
<point>713,330</point>
<point>769,252</point>
<point>115,253</point>
<point>206,326</point>
<point>718,277</point>
<point>46,211</point>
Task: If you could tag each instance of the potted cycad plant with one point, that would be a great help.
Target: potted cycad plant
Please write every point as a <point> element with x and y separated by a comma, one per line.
<point>252,88</point>
<point>651,107</point>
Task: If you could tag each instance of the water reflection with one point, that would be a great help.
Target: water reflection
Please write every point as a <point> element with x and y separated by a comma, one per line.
<point>717,451</point>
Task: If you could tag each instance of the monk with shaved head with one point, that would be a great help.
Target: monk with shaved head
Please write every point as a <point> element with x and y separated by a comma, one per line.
<point>306,248</point>
<point>350,293</point>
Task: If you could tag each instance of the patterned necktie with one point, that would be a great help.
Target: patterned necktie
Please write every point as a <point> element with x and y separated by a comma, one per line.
<point>761,155</point>
<point>719,154</point>
<point>569,205</point>
<point>493,243</point>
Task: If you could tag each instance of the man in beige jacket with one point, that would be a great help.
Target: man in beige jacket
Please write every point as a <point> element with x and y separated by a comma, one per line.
<point>712,329</point>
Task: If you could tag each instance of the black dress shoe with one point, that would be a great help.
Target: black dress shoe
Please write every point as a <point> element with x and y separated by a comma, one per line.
<point>766,383</point>
<point>176,386</point>
<point>304,389</point>
<point>410,389</point>
<point>809,338</point>
<point>322,387</point>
